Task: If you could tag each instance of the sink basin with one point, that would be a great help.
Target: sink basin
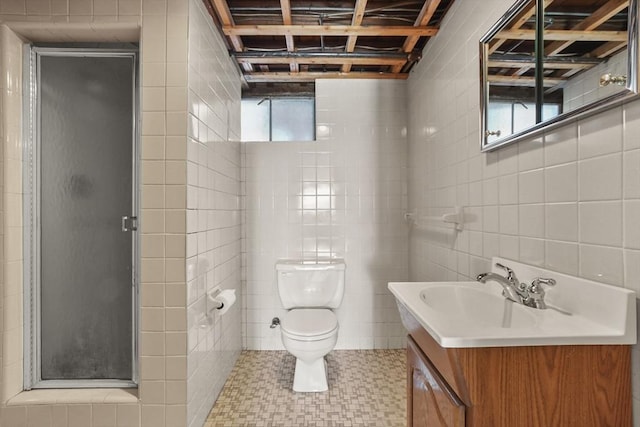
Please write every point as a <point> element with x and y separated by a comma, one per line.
<point>482,308</point>
<point>474,314</point>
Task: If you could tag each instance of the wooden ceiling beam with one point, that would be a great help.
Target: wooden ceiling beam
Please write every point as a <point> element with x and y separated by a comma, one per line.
<point>426,13</point>
<point>547,64</point>
<point>522,81</point>
<point>358,15</point>
<point>524,17</point>
<point>608,49</point>
<point>327,30</point>
<point>599,17</point>
<point>224,14</point>
<point>324,60</point>
<point>565,35</point>
<point>285,5</point>
<point>312,76</point>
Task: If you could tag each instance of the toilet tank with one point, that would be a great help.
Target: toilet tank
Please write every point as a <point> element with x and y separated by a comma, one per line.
<point>311,283</point>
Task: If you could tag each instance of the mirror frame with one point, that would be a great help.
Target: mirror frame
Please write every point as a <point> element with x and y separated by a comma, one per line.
<point>570,116</point>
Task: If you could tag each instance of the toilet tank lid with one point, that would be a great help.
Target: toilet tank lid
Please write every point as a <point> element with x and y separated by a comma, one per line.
<point>301,264</point>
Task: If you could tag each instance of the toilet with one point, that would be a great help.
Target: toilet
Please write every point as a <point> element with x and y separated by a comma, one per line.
<point>309,291</point>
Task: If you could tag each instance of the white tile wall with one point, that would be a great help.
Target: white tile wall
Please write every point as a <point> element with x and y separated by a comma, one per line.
<point>342,196</point>
<point>212,179</point>
<point>567,200</point>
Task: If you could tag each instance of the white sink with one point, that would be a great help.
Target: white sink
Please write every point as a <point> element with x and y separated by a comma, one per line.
<point>474,314</point>
<point>482,308</point>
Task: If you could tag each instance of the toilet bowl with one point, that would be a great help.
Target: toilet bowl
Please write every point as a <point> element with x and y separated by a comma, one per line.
<point>309,334</point>
<point>309,329</point>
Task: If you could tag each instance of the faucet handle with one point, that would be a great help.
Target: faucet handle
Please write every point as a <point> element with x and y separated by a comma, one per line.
<point>535,285</point>
<point>511,275</point>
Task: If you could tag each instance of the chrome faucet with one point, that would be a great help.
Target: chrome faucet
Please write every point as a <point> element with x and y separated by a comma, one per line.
<point>536,292</point>
<point>511,287</point>
<point>530,295</point>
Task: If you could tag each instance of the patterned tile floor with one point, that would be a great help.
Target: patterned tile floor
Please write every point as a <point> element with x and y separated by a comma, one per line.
<point>367,388</point>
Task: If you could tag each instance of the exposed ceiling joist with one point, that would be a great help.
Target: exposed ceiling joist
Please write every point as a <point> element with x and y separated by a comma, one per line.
<point>565,35</point>
<point>548,64</point>
<point>599,17</point>
<point>426,13</point>
<point>321,60</point>
<point>608,49</point>
<point>358,15</point>
<point>285,5</point>
<point>224,14</point>
<point>528,13</point>
<point>328,30</point>
<point>312,76</point>
<point>282,38</point>
<point>522,81</point>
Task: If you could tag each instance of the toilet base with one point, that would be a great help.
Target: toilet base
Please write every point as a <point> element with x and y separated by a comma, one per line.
<point>310,377</point>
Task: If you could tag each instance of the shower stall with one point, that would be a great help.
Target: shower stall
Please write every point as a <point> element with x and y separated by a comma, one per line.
<point>80,215</point>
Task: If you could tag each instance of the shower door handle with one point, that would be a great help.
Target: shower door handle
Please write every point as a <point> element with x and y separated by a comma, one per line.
<point>129,223</point>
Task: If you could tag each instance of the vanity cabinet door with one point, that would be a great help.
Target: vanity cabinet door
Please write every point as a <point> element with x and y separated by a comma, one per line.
<point>430,402</point>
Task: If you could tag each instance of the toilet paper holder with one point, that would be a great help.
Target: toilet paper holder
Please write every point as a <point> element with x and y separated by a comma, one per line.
<point>220,300</point>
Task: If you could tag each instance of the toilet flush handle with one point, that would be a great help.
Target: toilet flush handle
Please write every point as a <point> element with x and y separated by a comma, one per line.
<point>274,322</point>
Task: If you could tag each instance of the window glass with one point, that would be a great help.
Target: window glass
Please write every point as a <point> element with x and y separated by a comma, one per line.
<point>510,117</point>
<point>255,120</point>
<point>278,119</point>
<point>524,115</point>
<point>292,119</point>
<point>499,118</point>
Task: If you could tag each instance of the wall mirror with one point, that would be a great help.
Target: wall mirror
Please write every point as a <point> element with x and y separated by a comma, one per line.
<point>547,62</point>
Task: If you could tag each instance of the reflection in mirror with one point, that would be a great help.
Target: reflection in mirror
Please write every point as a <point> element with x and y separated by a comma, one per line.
<point>583,61</point>
<point>584,41</point>
<point>511,76</point>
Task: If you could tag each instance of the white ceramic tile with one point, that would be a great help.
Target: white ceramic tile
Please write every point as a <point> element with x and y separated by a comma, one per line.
<point>531,154</point>
<point>631,125</point>
<point>632,224</point>
<point>510,247</point>
<point>491,219</point>
<point>562,257</point>
<point>561,145</point>
<point>531,186</point>
<point>508,160</point>
<point>600,178</point>
<point>531,219</point>
<point>212,175</point>
<point>602,264</point>
<point>562,221</point>
<point>600,135</point>
<point>632,270</point>
<point>561,183</point>
<point>490,244</point>
<point>601,223</point>
<point>532,251</point>
<point>631,174</point>
<point>508,189</point>
<point>490,191</point>
<point>509,219</point>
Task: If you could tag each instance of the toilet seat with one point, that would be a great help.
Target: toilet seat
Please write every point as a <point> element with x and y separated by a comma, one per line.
<point>309,324</point>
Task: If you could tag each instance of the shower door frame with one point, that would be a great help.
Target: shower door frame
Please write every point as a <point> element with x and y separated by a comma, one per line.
<point>31,214</point>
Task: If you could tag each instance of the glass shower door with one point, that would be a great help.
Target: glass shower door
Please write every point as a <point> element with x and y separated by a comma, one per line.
<point>85,203</point>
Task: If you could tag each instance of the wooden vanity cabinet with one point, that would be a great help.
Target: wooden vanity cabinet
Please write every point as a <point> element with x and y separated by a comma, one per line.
<point>536,386</point>
<point>430,400</point>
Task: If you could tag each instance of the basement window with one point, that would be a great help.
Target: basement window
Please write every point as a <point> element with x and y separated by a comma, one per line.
<point>514,116</point>
<point>278,119</point>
